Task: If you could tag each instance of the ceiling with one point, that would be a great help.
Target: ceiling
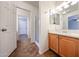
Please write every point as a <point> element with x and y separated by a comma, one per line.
<point>36,3</point>
<point>57,3</point>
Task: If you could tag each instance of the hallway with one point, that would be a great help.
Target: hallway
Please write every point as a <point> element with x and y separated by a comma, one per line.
<point>25,48</point>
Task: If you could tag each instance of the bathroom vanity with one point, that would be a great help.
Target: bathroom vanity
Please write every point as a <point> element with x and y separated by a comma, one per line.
<point>64,45</point>
<point>63,35</point>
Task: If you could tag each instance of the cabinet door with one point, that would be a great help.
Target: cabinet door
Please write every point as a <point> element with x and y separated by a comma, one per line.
<point>67,46</point>
<point>53,42</point>
<point>78,48</point>
<point>49,42</point>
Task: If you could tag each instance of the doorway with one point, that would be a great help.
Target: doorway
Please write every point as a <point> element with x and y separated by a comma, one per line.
<point>23,24</point>
<point>22,28</point>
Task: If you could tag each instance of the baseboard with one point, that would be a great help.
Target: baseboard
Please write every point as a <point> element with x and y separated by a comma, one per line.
<point>42,52</point>
<point>37,44</point>
<point>12,52</point>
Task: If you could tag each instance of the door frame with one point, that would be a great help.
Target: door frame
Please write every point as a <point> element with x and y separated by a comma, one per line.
<point>17,22</point>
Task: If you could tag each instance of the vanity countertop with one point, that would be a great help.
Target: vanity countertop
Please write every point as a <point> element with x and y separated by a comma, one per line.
<point>65,34</point>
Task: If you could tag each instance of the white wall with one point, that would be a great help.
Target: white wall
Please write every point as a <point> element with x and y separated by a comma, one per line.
<point>33,11</point>
<point>43,26</point>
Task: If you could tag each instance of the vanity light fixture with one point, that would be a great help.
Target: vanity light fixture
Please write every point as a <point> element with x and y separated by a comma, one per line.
<point>54,11</point>
<point>66,6</point>
<point>59,9</point>
<point>64,12</point>
<point>73,2</point>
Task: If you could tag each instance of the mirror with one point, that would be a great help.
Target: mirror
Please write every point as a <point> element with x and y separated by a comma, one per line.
<point>70,18</point>
<point>54,19</point>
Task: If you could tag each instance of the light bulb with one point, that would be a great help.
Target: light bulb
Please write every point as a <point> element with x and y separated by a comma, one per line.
<point>73,2</point>
<point>66,6</point>
<point>64,12</point>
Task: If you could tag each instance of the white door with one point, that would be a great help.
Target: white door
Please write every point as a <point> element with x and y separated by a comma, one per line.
<point>7,28</point>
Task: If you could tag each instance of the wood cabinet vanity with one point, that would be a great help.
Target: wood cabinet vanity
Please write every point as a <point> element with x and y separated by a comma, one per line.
<point>64,45</point>
<point>53,42</point>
